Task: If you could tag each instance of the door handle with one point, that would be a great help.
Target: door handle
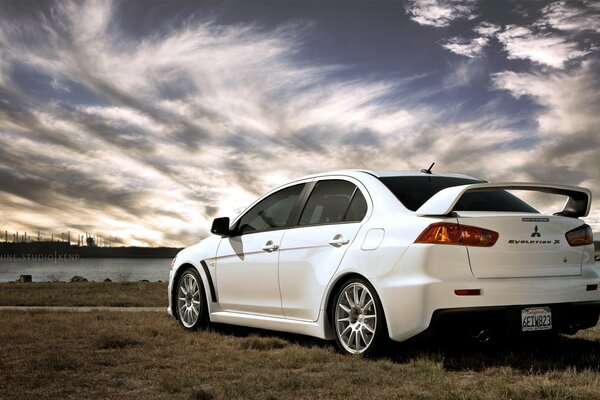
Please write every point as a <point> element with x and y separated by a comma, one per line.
<point>338,241</point>
<point>270,246</point>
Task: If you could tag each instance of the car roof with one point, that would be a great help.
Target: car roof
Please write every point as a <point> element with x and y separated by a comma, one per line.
<point>357,173</point>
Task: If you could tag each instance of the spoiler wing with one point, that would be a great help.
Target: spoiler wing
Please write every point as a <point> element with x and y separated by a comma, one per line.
<point>443,202</point>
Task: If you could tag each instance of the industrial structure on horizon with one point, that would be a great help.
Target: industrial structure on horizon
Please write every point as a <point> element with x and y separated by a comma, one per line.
<point>87,239</point>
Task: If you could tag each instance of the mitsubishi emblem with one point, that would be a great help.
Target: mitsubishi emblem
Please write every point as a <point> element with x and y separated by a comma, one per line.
<point>535,232</point>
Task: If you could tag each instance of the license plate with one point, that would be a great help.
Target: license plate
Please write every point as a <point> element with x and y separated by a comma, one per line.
<point>536,319</point>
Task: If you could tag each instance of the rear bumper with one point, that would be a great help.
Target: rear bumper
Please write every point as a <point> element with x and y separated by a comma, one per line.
<point>426,279</point>
<point>416,306</point>
<point>506,320</point>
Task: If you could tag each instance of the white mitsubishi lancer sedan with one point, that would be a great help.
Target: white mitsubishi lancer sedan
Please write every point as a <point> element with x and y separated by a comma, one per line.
<point>364,256</point>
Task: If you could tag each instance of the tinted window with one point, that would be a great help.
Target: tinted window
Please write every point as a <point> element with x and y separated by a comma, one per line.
<point>272,212</point>
<point>358,207</point>
<point>413,191</point>
<point>492,200</point>
<point>327,203</point>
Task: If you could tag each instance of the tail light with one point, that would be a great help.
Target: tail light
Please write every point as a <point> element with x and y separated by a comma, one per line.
<point>580,236</point>
<point>462,235</point>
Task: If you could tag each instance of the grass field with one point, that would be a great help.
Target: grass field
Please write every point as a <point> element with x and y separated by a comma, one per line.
<point>109,294</point>
<point>51,355</point>
<point>102,355</point>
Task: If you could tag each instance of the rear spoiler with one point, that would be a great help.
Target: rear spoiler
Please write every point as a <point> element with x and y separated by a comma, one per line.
<point>443,202</point>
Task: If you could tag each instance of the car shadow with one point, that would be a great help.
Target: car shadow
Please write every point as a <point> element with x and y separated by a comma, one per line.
<point>291,338</point>
<point>537,355</point>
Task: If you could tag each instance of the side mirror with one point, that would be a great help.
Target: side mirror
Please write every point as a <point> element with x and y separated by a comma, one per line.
<point>220,226</point>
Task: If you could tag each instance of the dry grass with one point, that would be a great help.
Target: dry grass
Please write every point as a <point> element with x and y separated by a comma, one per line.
<point>147,355</point>
<point>109,294</point>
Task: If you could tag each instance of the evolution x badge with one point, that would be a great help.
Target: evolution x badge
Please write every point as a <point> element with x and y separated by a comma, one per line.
<point>535,234</point>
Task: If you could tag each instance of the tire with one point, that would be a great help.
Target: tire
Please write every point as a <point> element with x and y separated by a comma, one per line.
<point>357,318</point>
<point>190,301</point>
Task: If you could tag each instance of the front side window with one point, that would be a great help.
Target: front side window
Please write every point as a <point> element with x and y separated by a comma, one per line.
<point>328,203</point>
<point>271,213</point>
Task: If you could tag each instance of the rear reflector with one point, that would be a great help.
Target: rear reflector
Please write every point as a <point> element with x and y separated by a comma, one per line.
<point>467,292</point>
<point>462,235</point>
<point>580,236</point>
<point>589,288</point>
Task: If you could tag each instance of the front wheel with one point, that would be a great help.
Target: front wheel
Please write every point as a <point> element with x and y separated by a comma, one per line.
<point>358,318</point>
<point>190,298</point>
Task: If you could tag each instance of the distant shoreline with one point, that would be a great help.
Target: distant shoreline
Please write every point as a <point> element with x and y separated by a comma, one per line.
<point>41,251</point>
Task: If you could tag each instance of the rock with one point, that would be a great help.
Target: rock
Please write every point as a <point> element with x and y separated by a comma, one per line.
<point>78,278</point>
<point>144,280</point>
<point>24,279</point>
<point>107,280</point>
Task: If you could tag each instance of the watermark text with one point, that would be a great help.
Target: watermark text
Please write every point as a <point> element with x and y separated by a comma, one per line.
<point>53,257</point>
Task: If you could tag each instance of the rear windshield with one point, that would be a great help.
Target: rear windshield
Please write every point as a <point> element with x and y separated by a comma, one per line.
<point>413,191</point>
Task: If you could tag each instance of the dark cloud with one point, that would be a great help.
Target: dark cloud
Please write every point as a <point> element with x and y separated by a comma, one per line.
<point>211,211</point>
<point>240,175</point>
<point>58,188</point>
<point>35,189</point>
<point>183,237</point>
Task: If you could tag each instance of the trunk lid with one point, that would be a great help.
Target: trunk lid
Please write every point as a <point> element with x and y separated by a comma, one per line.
<point>529,245</point>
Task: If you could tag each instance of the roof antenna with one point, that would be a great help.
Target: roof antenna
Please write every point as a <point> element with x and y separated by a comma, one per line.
<point>428,170</point>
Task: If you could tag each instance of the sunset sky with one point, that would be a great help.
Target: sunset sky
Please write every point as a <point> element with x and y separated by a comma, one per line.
<point>144,119</point>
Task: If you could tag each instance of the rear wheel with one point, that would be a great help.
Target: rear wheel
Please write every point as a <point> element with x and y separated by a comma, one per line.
<point>358,318</point>
<point>190,298</point>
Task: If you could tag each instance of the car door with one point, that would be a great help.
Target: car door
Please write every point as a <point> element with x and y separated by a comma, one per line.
<point>311,252</point>
<point>246,263</point>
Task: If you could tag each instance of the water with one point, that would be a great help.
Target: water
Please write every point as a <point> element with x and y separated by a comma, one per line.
<point>93,269</point>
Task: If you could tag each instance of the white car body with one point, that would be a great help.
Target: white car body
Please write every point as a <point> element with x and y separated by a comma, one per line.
<point>284,279</point>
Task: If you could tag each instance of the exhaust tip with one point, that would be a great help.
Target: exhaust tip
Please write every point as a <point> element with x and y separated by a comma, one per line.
<point>573,329</point>
<point>483,336</point>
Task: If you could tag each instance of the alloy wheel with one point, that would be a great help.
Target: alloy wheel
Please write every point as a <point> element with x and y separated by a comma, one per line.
<point>189,300</point>
<point>355,318</point>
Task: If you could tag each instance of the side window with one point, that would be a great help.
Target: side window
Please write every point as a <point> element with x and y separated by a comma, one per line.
<point>327,203</point>
<point>272,212</point>
<point>358,208</point>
